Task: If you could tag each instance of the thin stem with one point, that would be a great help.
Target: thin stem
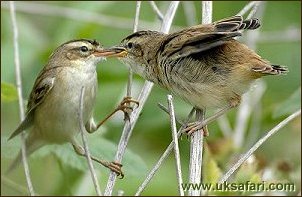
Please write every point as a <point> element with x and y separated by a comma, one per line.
<point>251,98</point>
<point>135,25</point>
<point>20,97</point>
<point>176,147</point>
<point>196,149</point>
<point>258,144</point>
<point>254,9</point>
<point>156,10</point>
<point>196,143</point>
<point>162,158</point>
<point>129,125</point>
<point>246,8</point>
<point>85,144</point>
<point>78,15</point>
<point>161,106</point>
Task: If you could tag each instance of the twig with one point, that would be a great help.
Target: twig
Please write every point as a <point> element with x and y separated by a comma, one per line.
<point>253,11</point>
<point>176,147</point>
<point>129,125</point>
<point>20,97</point>
<point>85,144</point>
<point>135,25</point>
<point>246,8</point>
<point>162,158</point>
<point>8,183</point>
<point>196,148</point>
<point>156,10</point>
<point>248,103</point>
<point>78,15</point>
<point>161,106</point>
<point>258,144</point>
<point>196,143</point>
<point>207,7</point>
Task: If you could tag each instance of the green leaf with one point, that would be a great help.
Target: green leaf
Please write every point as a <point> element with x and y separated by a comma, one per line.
<point>98,146</point>
<point>8,92</point>
<point>102,149</point>
<point>10,149</point>
<point>290,105</point>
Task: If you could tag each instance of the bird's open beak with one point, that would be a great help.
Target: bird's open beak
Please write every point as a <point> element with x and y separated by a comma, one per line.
<point>111,52</point>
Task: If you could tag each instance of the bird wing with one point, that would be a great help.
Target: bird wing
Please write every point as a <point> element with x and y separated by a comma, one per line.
<point>40,91</point>
<point>200,38</point>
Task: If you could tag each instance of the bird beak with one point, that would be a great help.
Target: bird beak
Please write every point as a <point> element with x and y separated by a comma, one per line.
<point>111,52</point>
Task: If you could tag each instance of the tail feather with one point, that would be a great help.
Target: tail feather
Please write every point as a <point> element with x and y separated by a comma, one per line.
<point>32,144</point>
<point>280,69</point>
<point>271,70</point>
<point>236,23</point>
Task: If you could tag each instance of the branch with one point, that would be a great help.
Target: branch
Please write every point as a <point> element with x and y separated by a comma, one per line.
<point>135,25</point>
<point>156,10</point>
<point>176,147</point>
<point>196,148</point>
<point>246,8</point>
<point>85,144</point>
<point>20,97</point>
<point>129,125</point>
<point>162,158</point>
<point>162,107</point>
<point>250,99</point>
<point>196,143</point>
<point>258,144</point>
<point>78,15</point>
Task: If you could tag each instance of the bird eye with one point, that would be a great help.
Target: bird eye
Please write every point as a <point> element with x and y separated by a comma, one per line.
<point>130,45</point>
<point>83,48</point>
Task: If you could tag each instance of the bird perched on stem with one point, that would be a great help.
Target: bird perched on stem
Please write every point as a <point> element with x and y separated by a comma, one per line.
<point>54,100</point>
<point>202,64</point>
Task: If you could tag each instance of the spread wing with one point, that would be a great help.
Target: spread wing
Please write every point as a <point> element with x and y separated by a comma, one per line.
<point>40,91</point>
<point>200,38</point>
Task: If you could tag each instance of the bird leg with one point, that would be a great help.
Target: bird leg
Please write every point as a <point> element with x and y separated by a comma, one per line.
<point>123,106</point>
<point>113,166</point>
<point>194,126</point>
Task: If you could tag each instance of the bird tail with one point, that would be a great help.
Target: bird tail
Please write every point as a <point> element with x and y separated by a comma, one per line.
<point>236,23</point>
<point>277,69</point>
<point>271,69</point>
<point>32,144</point>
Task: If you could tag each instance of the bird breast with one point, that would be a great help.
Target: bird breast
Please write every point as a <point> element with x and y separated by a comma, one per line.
<point>56,119</point>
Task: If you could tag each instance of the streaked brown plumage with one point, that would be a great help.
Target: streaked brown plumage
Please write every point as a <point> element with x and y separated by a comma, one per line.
<point>202,64</point>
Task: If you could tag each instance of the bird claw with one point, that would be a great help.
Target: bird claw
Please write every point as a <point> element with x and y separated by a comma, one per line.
<point>117,168</point>
<point>195,126</point>
<point>124,106</point>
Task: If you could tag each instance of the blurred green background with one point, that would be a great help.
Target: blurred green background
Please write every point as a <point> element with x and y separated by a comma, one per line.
<point>57,170</point>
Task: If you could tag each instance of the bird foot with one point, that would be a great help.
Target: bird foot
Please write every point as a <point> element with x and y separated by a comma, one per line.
<point>125,106</point>
<point>195,126</point>
<point>116,167</point>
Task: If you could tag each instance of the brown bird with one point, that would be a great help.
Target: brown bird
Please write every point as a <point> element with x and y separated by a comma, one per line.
<point>202,64</point>
<point>53,104</point>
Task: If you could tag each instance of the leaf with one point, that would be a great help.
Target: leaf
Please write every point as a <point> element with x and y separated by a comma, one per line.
<point>8,92</point>
<point>98,146</point>
<point>290,105</point>
<point>9,149</point>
